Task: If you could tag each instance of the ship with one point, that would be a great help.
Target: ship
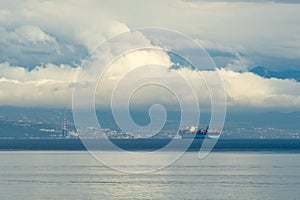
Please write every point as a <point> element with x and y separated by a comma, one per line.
<point>192,132</point>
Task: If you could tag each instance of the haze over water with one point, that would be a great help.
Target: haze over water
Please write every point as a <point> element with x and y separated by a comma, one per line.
<point>221,175</point>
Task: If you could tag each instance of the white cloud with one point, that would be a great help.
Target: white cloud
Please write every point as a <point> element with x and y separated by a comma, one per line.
<point>3,14</point>
<point>128,66</point>
<point>49,71</point>
<point>52,85</point>
<point>249,90</point>
<point>44,86</point>
<point>94,34</point>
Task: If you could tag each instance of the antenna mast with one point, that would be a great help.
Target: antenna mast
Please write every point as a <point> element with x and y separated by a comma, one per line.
<point>64,128</point>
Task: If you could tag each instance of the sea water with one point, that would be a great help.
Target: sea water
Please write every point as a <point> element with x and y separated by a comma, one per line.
<point>222,175</point>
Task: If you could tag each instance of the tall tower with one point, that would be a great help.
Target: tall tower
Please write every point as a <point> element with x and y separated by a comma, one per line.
<point>64,125</point>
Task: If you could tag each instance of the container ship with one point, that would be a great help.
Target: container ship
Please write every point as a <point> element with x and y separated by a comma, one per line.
<point>192,132</point>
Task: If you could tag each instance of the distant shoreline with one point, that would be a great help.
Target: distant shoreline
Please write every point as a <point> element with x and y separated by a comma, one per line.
<point>149,144</point>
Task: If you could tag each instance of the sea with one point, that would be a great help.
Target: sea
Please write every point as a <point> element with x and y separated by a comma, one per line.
<point>234,175</point>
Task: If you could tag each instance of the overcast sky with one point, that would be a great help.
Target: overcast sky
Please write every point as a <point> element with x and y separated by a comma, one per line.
<point>42,45</point>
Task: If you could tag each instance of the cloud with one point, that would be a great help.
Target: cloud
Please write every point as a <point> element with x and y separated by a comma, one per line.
<point>248,1</point>
<point>44,86</point>
<point>3,14</point>
<point>249,90</point>
<point>31,34</point>
<point>132,69</point>
<point>240,63</point>
<point>209,45</point>
<point>262,28</point>
<point>40,32</point>
<point>233,57</point>
<point>42,43</point>
<point>85,23</point>
<point>52,86</point>
<point>29,46</point>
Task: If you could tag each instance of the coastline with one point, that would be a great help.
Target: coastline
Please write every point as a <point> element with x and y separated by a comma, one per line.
<point>149,144</point>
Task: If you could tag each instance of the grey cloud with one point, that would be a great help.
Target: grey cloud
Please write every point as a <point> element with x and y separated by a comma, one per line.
<point>248,1</point>
<point>34,50</point>
<point>85,84</point>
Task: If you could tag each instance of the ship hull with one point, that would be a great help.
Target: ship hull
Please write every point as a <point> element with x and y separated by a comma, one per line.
<point>192,136</point>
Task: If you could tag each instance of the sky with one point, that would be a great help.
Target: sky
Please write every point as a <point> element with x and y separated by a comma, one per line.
<point>43,44</point>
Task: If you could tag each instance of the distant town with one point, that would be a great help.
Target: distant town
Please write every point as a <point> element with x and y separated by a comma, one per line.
<point>29,123</point>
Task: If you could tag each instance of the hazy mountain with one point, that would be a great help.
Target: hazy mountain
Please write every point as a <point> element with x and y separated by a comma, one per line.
<point>20,122</point>
<point>16,122</point>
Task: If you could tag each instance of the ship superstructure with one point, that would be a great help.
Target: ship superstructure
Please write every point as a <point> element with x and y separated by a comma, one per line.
<point>192,132</point>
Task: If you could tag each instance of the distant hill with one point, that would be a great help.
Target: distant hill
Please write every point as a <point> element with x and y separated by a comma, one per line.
<point>28,122</point>
<point>17,122</point>
<point>266,73</point>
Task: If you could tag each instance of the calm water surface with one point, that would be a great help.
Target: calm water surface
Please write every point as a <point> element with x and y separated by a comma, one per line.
<point>222,175</point>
